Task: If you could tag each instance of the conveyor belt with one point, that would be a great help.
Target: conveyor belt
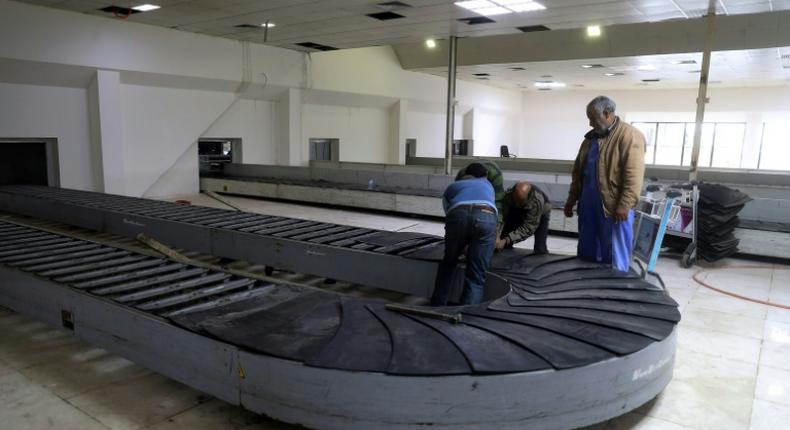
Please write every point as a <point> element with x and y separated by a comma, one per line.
<point>568,344</point>
<point>530,328</point>
<point>359,255</point>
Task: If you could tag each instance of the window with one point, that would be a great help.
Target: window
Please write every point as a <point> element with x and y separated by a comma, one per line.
<point>324,149</point>
<point>774,148</point>
<point>670,143</point>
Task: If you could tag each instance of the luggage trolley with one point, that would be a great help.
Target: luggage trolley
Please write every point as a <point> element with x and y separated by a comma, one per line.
<point>664,211</point>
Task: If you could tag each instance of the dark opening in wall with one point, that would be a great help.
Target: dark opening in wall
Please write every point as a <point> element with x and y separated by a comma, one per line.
<point>24,162</point>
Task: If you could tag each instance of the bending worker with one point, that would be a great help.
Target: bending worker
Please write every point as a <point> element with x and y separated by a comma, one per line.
<point>526,211</point>
<point>606,183</point>
<point>495,178</point>
<point>470,223</point>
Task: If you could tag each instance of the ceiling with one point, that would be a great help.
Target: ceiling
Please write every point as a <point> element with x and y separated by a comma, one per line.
<point>345,24</point>
<point>754,67</point>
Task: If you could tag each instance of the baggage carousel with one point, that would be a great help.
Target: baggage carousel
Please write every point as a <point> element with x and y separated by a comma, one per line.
<point>562,344</point>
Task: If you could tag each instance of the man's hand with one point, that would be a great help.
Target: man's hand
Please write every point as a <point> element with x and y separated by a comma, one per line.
<point>621,214</point>
<point>569,208</point>
<point>500,244</point>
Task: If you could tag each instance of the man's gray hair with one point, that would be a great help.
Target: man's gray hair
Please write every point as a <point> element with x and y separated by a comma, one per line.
<point>602,104</point>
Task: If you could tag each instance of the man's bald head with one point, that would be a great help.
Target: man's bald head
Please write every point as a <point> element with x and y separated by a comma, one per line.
<point>521,192</point>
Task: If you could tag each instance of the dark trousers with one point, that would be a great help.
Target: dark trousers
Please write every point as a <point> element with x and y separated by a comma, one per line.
<point>541,235</point>
<point>473,229</point>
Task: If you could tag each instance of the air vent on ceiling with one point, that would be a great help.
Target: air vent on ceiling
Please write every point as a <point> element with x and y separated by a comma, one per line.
<point>482,78</point>
<point>481,74</point>
<point>317,46</point>
<point>119,11</point>
<point>247,26</point>
<point>593,66</point>
<point>785,57</point>
<point>475,20</point>
<point>544,89</point>
<point>385,16</point>
<point>518,68</point>
<point>546,76</point>
<point>686,62</point>
<point>651,80</point>
<point>533,28</point>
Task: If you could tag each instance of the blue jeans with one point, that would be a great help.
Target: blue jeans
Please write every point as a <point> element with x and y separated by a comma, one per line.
<point>473,228</point>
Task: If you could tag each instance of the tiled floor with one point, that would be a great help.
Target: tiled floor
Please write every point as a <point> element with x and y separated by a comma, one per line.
<point>732,369</point>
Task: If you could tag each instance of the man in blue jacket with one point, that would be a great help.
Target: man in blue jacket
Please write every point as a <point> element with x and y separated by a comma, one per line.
<point>471,224</point>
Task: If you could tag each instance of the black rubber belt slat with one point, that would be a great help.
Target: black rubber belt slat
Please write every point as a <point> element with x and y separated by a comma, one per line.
<point>655,297</point>
<point>560,351</point>
<point>322,233</point>
<point>23,237</point>
<point>487,352</point>
<point>398,247</point>
<point>103,272</point>
<point>344,235</point>
<point>319,227</point>
<point>361,343</point>
<point>125,277</point>
<point>432,252</point>
<point>611,284</point>
<point>650,327</point>
<point>523,261</point>
<point>663,312</point>
<point>65,261</point>
<point>359,246</point>
<point>233,219</point>
<point>172,288</point>
<point>220,315</point>
<point>96,250</point>
<point>46,244</point>
<point>262,223</point>
<point>108,262</point>
<point>191,296</point>
<point>252,224</point>
<point>287,222</point>
<point>145,283</point>
<point>187,212</point>
<point>354,240</point>
<point>418,349</point>
<point>49,251</point>
<point>574,275</point>
<point>214,215</point>
<point>267,330</point>
<point>241,296</point>
<point>387,238</point>
<point>615,341</point>
<point>286,228</point>
<point>30,242</point>
<point>213,219</point>
<point>555,268</point>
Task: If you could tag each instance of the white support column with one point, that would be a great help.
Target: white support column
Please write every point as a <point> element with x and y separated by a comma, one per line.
<point>289,128</point>
<point>104,103</point>
<point>397,116</point>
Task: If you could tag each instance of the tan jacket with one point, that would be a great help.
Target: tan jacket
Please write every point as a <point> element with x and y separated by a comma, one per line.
<point>621,167</point>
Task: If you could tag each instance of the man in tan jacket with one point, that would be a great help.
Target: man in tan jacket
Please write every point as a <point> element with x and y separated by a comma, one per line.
<point>606,183</point>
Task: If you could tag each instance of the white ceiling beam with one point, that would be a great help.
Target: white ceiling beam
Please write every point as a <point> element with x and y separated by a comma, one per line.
<point>736,32</point>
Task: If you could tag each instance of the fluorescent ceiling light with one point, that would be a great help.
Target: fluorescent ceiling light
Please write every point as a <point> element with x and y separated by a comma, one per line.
<point>526,7</point>
<point>549,84</point>
<point>430,43</point>
<point>594,30</point>
<point>609,74</point>
<point>146,7</point>
<point>587,66</point>
<point>499,7</point>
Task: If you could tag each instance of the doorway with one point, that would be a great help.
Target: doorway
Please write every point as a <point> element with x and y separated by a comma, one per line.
<point>29,162</point>
<point>323,149</point>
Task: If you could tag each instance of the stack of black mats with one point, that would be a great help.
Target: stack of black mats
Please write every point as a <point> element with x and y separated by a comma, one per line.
<point>717,218</point>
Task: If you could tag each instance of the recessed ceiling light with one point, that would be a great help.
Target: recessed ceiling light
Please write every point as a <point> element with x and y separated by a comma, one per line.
<point>594,31</point>
<point>146,7</point>
<point>549,84</point>
<point>499,7</point>
<point>430,43</point>
<point>268,25</point>
<point>614,74</point>
<point>592,66</point>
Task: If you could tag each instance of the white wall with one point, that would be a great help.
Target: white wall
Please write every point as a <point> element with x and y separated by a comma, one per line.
<point>254,122</point>
<point>364,132</point>
<point>555,121</point>
<point>28,111</point>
